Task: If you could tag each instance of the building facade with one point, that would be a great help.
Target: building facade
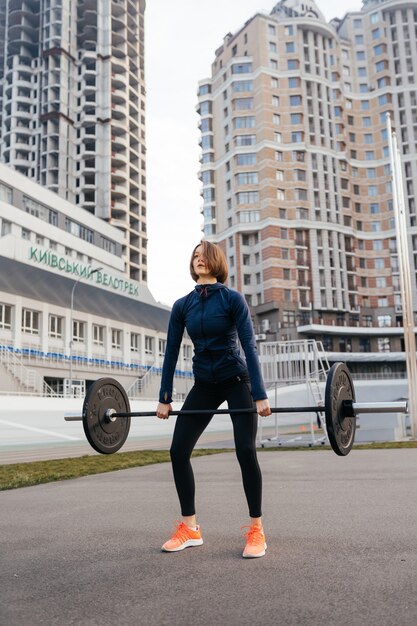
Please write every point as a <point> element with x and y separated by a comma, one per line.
<point>296,178</point>
<point>72,108</point>
<point>68,313</point>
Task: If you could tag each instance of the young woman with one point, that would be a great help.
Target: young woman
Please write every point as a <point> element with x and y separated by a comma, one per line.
<point>215,318</point>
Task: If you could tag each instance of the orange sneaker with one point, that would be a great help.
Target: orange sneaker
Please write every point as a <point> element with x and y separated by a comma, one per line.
<point>255,542</point>
<point>183,537</point>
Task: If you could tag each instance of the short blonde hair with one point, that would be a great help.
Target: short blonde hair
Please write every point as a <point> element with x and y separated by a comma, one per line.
<point>215,260</point>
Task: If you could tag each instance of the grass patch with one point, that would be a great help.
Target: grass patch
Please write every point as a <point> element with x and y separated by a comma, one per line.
<point>18,475</point>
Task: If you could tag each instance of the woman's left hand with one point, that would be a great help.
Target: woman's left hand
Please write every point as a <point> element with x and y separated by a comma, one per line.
<point>262,407</point>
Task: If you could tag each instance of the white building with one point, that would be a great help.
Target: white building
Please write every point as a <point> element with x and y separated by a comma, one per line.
<point>54,254</point>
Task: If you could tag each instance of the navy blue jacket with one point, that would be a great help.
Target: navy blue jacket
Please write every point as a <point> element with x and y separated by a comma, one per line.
<point>215,317</point>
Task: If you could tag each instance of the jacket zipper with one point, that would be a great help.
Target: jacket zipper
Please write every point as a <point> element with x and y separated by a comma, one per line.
<point>204,335</point>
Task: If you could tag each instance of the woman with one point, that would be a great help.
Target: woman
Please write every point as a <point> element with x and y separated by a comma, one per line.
<point>215,317</point>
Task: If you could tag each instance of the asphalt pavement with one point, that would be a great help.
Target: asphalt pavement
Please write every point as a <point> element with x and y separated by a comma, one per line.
<point>341,532</point>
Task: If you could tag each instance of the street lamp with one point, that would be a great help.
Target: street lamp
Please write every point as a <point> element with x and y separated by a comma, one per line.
<point>97,269</point>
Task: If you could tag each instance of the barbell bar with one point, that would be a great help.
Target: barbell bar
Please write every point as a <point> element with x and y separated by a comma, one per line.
<point>106,412</point>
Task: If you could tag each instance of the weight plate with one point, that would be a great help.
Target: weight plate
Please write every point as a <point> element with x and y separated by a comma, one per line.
<point>340,427</point>
<point>103,435</point>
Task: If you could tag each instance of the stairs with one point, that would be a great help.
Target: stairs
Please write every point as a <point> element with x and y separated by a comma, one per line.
<point>25,380</point>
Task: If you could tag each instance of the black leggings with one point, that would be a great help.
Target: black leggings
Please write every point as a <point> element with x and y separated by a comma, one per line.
<point>188,428</point>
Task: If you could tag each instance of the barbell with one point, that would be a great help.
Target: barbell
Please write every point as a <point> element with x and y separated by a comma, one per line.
<point>106,412</point>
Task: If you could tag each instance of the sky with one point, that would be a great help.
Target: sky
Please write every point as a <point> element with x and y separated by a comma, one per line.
<point>181,37</point>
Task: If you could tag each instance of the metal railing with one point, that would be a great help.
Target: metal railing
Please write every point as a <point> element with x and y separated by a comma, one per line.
<point>292,362</point>
<point>285,363</point>
<point>29,379</point>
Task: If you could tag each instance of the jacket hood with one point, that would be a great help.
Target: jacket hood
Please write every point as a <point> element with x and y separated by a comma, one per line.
<point>206,290</point>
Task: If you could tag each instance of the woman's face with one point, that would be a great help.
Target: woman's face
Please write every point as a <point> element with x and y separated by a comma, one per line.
<point>199,265</point>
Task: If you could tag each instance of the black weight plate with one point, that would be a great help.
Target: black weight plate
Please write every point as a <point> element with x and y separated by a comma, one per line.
<point>340,428</point>
<point>103,435</point>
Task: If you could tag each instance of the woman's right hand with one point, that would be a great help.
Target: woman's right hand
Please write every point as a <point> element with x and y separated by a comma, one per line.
<point>163,411</point>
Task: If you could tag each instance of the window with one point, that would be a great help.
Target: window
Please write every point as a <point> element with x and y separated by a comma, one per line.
<point>247,197</point>
<point>78,331</point>
<point>241,68</point>
<point>384,321</point>
<point>301,194</point>
<point>135,342</point>
<point>296,137</point>
<point>247,178</point>
<point>149,344</point>
<point>6,194</point>
<point>242,85</point>
<point>244,122</point>
<point>78,230</point>
<point>98,335</point>
<point>245,140</point>
<point>300,175</point>
<point>364,344</point>
<point>295,101</point>
<point>276,118</point>
<point>379,49</point>
<point>246,217</point>
<point>246,159</point>
<point>381,282</point>
<point>242,104</point>
<point>186,352</point>
<point>384,344</point>
<point>162,346</point>
<point>30,321</point>
<point>205,108</point>
<point>6,227</point>
<point>275,101</point>
<point>5,316</point>
<point>55,326</point>
<point>295,118</point>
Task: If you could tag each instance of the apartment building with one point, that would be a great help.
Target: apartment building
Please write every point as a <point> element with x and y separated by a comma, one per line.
<point>72,108</point>
<point>296,177</point>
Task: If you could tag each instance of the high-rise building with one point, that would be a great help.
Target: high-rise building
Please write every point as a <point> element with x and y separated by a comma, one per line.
<point>72,107</point>
<point>296,175</point>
